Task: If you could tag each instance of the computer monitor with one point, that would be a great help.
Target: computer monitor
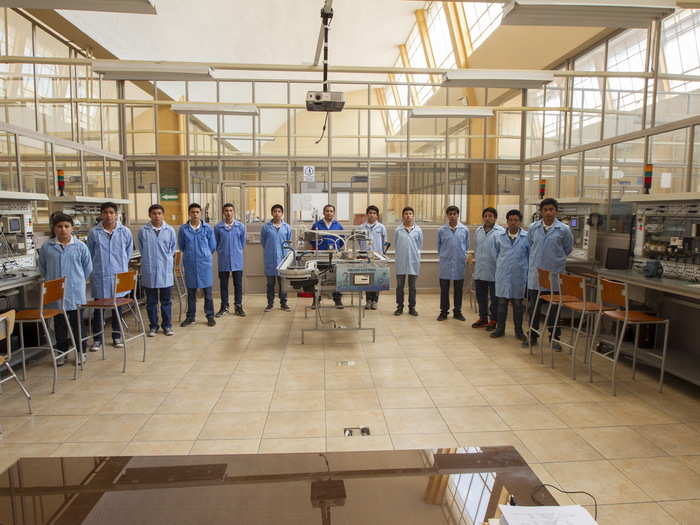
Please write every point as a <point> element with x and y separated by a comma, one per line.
<point>617,259</point>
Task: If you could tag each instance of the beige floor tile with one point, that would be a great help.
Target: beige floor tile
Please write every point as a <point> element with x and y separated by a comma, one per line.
<point>426,364</point>
<point>472,419</point>
<point>257,366</point>
<point>202,382</point>
<point>488,377</point>
<point>619,442</point>
<point>240,425</point>
<point>189,402</point>
<point>553,393</point>
<point>440,378</point>
<point>349,380</point>
<point>693,462</point>
<point>338,420</point>
<point>529,417</point>
<point>134,403</point>
<point>600,478</point>
<point>285,446</point>
<point>557,445</point>
<point>506,395</point>
<point>544,476</point>
<point>169,368</point>
<point>243,401</point>
<point>214,368</point>
<point>423,441</point>
<point>584,414</point>
<point>113,427</point>
<point>297,400</point>
<point>637,413</point>
<point>676,439</point>
<point>157,448</point>
<point>630,514</point>
<point>72,450</point>
<point>71,404</point>
<point>300,381</point>
<point>415,421</point>
<point>494,439</point>
<point>171,427</point>
<point>349,444</point>
<point>662,478</point>
<point>295,424</point>
<point>351,399</point>
<point>153,384</point>
<point>225,446</point>
<point>47,429</point>
<point>11,452</point>
<point>684,512</point>
<point>251,382</point>
<point>11,423</point>
<point>535,376</point>
<point>302,365</point>
<point>396,379</point>
<point>404,398</point>
<point>456,397</point>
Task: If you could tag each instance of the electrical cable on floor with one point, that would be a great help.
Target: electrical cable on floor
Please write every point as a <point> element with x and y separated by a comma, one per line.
<point>547,485</point>
<point>323,131</point>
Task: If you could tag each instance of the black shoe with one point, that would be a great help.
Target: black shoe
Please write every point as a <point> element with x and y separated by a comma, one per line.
<point>526,344</point>
<point>442,316</point>
<point>187,322</point>
<point>314,305</point>
<point>399,310</point>
<point>239,311</point>
<point>285,307</point>
<point>521,337</point>
<point>222,311</point>
<point>374,305</point>
<point>556,347</point>
<point>497,333</point>
<point>211,321</point>
<point>339,304</point>
<point>458,316</point>
<point>412,311</point>
<point>491,326</point>
<point>269,307</point>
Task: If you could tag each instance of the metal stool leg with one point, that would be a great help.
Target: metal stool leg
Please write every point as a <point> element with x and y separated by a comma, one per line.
<point>554,332</point>
<point>53,355</point>
<point>21,345</point>
<point>596,334</point>
<point>78,356</point>
<point>530,329</point>
<point>21,386</point>
<point>634,352</point>
<point>616,356</point>
<point>663,355</point>
<point>543,331</point>
<point>122,327</point>
<point>574,343</point>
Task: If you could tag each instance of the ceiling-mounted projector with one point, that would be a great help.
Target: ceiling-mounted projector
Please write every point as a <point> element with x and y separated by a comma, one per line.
<point>325,101</point>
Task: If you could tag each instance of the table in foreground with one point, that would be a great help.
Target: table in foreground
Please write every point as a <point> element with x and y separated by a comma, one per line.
<point>406,487</point>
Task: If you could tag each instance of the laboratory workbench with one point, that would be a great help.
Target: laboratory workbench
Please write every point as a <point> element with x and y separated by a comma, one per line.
<point>662,284</point>
<point>24,278</point>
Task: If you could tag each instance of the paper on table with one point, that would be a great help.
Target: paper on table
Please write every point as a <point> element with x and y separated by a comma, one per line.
<point>564,515</point>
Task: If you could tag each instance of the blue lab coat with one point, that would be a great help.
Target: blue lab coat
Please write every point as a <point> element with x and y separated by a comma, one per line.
<point>452,249</point>
<point>272,240</point>
<point>110,256</point>
<point>230,243</point>
<point>485,262</point>
<point>407,247</point>
<point>197,247</point>
<point>157,255</point>
<point>511,263</point>
<point>548,251</point>
<point>72,262</point>
<point>328,242</point>
<point>377,233</point>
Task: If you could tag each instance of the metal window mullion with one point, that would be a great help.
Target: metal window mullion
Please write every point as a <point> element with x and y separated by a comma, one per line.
<point>155,119</point>
<point>18,160</point>
<point>83,173</point>
<point>34,80</point>
<point>54,171</point>
<point>523,149</point>
<point>252,121</point>
<point>611,158</point>
<point>689,155</point>
<point>289,131</point>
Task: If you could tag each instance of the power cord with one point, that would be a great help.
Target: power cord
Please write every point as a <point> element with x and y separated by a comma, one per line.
<point>323,131</point>
<point>547,485</point>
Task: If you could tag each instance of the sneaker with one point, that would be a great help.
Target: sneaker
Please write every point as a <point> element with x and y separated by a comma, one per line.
<point>374,305</point>
<point>211,321</point>
<point>412,311</point>
<point>459,316</point>
<point>526,343</point>
<point>285,307</point>
<point>313,305</point>
<point>368,305</point>
<point>83,357</point>
<point>480,323</point>
<point>168,331</point>
<point>556,347</point>
<point>399,310</point>
<point>498,333</point>
<point>60,361</point>
<point>239,311</point>
<point>339,304</point>
<point>151,332</point>
<point>521,337</point>
<point>118,342</point>
<point>187,322</point>
<point>222,311</point>
<point>442,316</point>
<point>269,308</point>
<point>491,326</point>
<point>96,346</point>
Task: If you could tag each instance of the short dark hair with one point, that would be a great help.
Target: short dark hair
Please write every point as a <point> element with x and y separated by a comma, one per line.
<point>155,207</point>
<point>277,207</point>
<point>106,205</point>
<point>372,207</point>
<point>549,201</point>
<point>408,208</point>
<point>452,208</point>
<point>193,205</point>
<point>514,212</point>
<point>492,210</point>
<point>329,206</point>
<point>59,217</point>
<point>228,205</point>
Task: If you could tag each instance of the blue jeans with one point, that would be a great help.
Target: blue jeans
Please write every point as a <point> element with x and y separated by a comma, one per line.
<point>162,295</point>
<point>98,324</point>
<point>270,289</point>
<point>237,287</point>
<point>483,290</point>
<point>192,303</point>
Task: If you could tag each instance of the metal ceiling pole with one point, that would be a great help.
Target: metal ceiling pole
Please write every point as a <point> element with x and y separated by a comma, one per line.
<point>523,150</point>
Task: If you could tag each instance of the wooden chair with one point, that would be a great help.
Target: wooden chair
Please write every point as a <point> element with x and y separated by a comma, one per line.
<point>124,283</point>
<point>180,286</point>
<point>614,294</point>
<point>7,325</point>
<point>51,292</point>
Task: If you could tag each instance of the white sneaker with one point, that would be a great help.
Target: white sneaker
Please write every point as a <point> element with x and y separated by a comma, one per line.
<point>168,331</point>
<point>152,332</point>
<point>96,346</point>
<point>118,343</point>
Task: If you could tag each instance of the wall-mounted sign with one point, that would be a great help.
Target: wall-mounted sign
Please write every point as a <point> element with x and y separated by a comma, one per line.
<point>309,173</point>
<point>169,194</point>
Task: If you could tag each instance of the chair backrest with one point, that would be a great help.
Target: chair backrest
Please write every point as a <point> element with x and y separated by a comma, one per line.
<point>7,325</point>
<point>52,291</point>
<point>125,282</point>
<point>573,285</point>
<point>613,293</point>
<point>544,279</point>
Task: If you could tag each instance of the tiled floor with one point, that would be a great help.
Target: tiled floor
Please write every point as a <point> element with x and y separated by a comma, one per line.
<point>248,386</point>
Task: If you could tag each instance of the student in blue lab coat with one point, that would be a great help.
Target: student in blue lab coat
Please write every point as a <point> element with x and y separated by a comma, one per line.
<point>408,242</point>
<point>452,246</point>
<point>551,243</point>
<point>157,242</point>
<point>485,269</point>
<point>197,243</point>
<point>65,256</point>
<point>377,234</point>
<point>511,250</point>
<point>272,237</point>
<point>328,242</point>
<point>111,246</point>
<point>230,243</point>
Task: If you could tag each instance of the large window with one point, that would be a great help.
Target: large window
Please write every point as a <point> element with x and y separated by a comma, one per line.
<point>440,40</point>
<point>482,19</point>
<point>416,58</point>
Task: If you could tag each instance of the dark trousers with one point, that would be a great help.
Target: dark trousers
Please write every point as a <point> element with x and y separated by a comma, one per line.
<point>153,297</point>
<point>372,296</point>
<point>237,277</point>
<point>535,321</point>
<point>445,295</point>
<point>192,303</point>
<point>502,315</point>
<point>484,290</point>
<point>271,281</point>
<point>400,283</point>
<point>98,324</point>
<point>63,340</point>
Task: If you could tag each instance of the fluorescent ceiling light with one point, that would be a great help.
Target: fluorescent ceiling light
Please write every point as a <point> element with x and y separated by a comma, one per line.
<point>464,112</point>
<point>588,13</point>
<point>414,139</point>
<point>215,109</point>
<point>144,7</point>
<point>125,70</point>
<point>497,78</point>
